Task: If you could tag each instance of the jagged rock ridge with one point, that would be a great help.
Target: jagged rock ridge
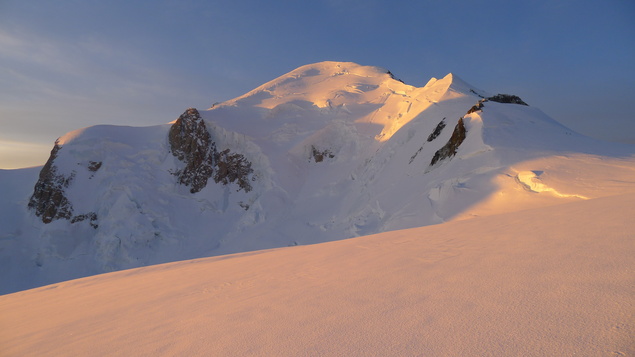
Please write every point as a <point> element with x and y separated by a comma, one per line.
<point>451,147</point>
<point>507,98</point>
<point>437,131</point>
<point>49,200</point>
<point>459,133</point>
<point>499,98</point>
<point>191,143</point>
<point>49,194</point>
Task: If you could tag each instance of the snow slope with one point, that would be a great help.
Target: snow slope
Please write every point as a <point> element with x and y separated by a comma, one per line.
<point>329,151</point>
<point>551,281</point>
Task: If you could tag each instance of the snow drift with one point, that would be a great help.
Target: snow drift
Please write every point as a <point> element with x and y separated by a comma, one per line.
<point>552,281</point>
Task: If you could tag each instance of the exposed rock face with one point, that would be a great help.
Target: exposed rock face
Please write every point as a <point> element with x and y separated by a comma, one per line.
<point>499,98</point>
<point>192,144</point>
<point>437,130</point>
<point>93,166</point>
<point>232,167</point>
<point>393,76</point>
<point>48,199</point>
<point>478,106</point>
<point>450,148</point>
<point>433,135</point>
<point>91,216</point>
<point>507,98</point>
<point>319,155</point>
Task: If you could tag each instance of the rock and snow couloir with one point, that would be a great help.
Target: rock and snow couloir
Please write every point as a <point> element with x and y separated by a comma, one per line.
<point>328,151</point>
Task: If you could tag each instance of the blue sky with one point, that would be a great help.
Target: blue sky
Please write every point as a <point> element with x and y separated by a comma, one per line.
<point>68,64</point>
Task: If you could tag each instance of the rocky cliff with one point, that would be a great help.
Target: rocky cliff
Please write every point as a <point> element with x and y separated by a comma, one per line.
<point>49,200</point>
<point>191,142</point>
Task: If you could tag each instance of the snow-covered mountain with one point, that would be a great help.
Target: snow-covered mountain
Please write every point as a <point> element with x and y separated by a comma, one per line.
<point>326,152</point>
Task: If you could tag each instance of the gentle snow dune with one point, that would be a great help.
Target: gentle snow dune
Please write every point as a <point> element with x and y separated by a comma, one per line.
<point>554,281</point>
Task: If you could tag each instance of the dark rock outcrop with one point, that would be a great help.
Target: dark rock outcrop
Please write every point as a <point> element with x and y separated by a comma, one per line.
<point>93,166</point>
<point>192,144</point>
<point>320,155</point>
<point>435,134</point>
<point>507,98</point>
<point>474,92</point>
<point>478,106</point>
<point>437,131</point>
<point>49,200</point>
<point>499,98</point>
<point>91,217</point>
<point>414,156</point>
<point>450,148</point>
<point>232,167</point>
<point>49,197</point>
<point>393,77</point>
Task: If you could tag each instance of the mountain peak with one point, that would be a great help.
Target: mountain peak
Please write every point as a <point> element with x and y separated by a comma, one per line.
<point>328,151</point>
<point>323,78</point>
<point>455,84</point>
<point>339,68</point>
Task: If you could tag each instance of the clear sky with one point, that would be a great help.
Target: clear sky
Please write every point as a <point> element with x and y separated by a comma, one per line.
<point>68,64</point>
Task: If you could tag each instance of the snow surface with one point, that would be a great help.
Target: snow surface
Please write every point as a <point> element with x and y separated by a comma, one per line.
<point>551,281</point>
<point>378,179</point>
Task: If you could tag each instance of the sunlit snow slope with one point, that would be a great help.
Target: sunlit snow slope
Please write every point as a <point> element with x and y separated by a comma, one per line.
<point>328,151</point>
<point>552,281</point>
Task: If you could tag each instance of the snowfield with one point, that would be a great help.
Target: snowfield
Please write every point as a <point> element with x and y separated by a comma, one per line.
<point>554,281</point>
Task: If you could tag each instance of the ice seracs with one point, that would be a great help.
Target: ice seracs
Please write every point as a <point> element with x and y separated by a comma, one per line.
<point>329,151</point>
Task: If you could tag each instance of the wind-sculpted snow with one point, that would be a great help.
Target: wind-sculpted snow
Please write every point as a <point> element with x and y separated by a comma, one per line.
<point>329,151</point>
<point>530,180</point>
<point>552,281</point>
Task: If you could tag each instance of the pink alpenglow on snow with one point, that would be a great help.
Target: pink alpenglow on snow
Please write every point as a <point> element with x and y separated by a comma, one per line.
<point>334,210</point>
<point>554,281</point>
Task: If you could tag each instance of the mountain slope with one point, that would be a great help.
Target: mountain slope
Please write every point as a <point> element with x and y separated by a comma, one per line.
<point>328,151</point>
<point>556,281</point>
